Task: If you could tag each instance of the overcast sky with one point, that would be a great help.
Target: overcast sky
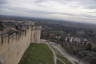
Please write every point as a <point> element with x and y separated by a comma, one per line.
<point>74,10</point>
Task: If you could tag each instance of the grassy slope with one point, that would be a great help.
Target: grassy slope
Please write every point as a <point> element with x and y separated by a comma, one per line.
<point>59,62</point>
<point>64,59</point>
<point>37,54</point>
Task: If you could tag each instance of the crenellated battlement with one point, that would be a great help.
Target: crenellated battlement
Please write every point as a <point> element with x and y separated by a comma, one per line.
<point>14,43</point>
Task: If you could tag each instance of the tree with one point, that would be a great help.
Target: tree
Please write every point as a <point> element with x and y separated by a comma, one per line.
<point>1,26</point>
<point>89,46</point>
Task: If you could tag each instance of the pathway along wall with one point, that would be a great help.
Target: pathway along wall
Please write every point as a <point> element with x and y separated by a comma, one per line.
<point>13,47</point>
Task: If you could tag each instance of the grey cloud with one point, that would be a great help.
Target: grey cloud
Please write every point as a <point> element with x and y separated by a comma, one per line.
<point>3,2</point>
<point>27,10</point>
<point>91,16</point>
<point>38,1</point>
<point>89,4</point>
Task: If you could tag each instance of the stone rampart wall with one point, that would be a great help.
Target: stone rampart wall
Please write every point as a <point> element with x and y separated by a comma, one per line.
<point>13,47</point>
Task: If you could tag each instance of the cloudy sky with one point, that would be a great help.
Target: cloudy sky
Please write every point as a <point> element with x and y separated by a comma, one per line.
<point>74,10</point>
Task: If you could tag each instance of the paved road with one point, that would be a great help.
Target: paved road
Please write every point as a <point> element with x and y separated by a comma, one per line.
<point>55,58</point>
<point>72,59</point>
<point>54,54</point>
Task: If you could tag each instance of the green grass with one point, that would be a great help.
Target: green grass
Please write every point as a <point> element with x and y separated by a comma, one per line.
<point>64,59</point>
<point>37,54</point>
<point>59,62</point>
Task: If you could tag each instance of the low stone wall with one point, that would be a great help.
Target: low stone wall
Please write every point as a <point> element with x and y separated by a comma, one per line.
<point>13,47</point>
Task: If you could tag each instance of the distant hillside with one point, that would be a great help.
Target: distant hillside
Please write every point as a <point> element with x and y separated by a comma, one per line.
<point>53,22</point>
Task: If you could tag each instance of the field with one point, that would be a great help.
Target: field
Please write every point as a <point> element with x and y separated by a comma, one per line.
<point>37,54</point>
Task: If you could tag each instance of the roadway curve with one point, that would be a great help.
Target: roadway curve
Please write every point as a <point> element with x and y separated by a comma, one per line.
<point>72,59</point>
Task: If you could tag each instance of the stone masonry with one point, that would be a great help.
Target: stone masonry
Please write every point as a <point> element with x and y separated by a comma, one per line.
<point>13,47</point>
